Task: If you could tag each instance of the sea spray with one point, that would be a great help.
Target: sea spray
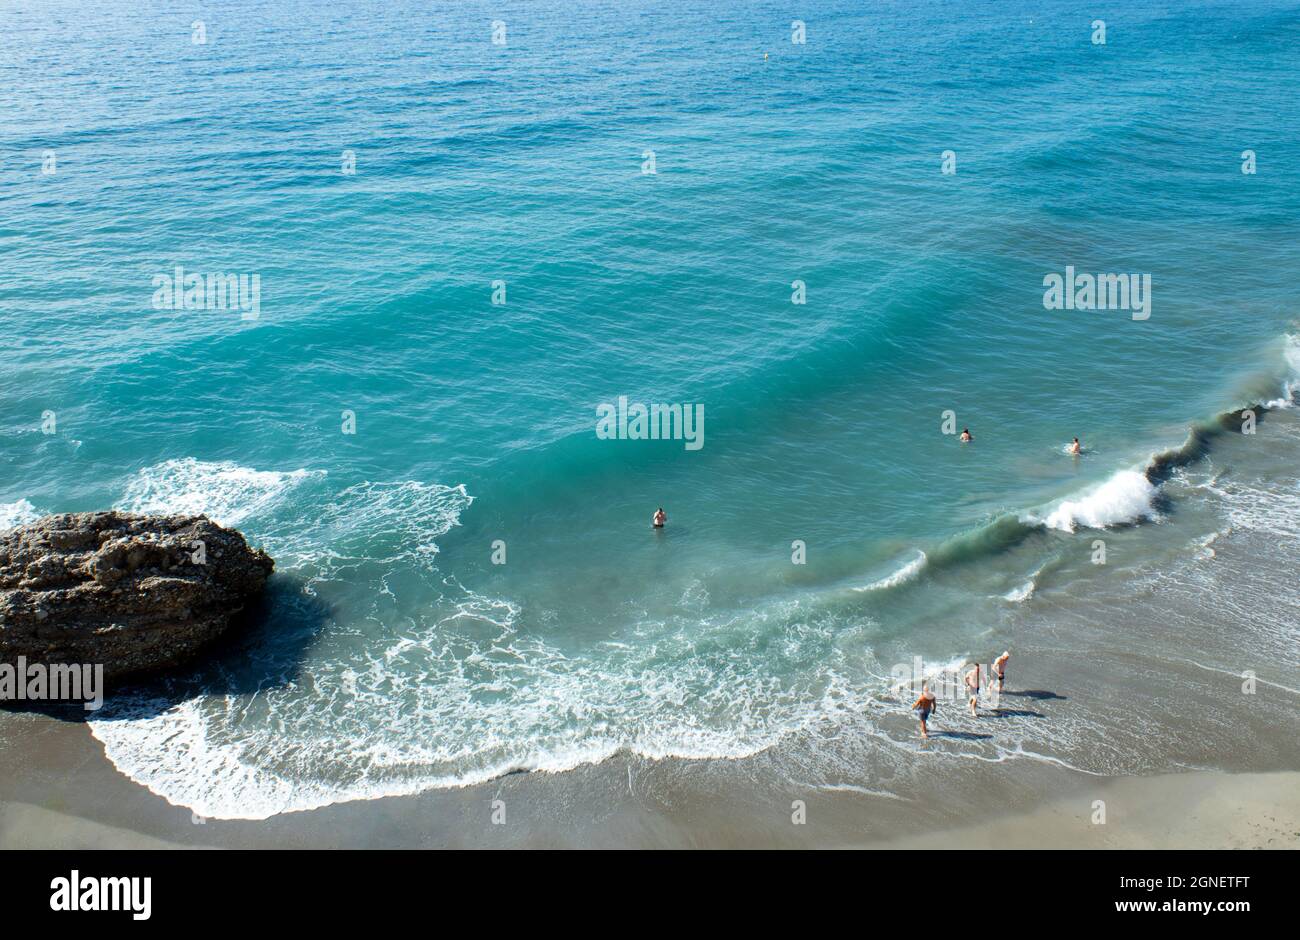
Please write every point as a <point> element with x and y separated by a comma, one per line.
<point>1126,497</point>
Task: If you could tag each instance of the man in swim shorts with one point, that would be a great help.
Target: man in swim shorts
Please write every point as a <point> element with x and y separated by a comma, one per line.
<point>923,706</point>
<point>965,435</point>
<point>973,688</point>
<point>1000,667</point>
<point>660,518</point>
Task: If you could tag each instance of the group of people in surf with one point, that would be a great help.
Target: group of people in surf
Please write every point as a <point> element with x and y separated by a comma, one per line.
<point>926,704</point>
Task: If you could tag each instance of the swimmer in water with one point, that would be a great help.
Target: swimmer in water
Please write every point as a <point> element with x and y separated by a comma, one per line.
<point>1075,448</point>
<point>1000,667</point>
<point>660,518</point>
<point>965,435</point>
<point>973,688</point>
<point>923,706</point>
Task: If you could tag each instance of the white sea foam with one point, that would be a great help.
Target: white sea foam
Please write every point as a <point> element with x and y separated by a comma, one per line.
<point>224,491</point>
<point>907,572</point>
<point>311,531</point>
<point>1021,594</point>
<point>201,755</point>
<point>372,522</point>
<point>465,696</point>
<point>17,513</point>
<point>1288,397</point>
<point>1291,385</point>
<point>1126,497</point>
<point>1271,510</point>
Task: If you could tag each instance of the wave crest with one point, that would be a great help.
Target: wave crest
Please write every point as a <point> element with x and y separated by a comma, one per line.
<point>908,572</point>
<point>1126,497</point>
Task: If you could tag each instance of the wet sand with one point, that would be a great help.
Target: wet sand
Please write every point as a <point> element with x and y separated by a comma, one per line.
<point>63,793</point>
<point>1173,811</point>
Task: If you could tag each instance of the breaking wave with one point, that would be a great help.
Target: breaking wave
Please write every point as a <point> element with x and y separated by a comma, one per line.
<point>19,512</point>
<point>225,492</point>
<point>908,572</point>
<point>1126,497</point>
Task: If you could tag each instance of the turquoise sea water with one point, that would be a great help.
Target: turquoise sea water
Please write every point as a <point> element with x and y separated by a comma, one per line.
<point>394,655</point>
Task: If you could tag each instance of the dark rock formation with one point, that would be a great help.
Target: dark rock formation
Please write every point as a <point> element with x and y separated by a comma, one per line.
<point>134,593</point>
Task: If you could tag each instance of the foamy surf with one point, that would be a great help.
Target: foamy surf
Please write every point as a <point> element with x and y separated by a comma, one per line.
<point>378,523</point>
<point>225,492</point>
<point>183,755</point>
<point>1255,508</point>
<point>462,697</point>
<point>1291,384</point>
<point>290,514</point>
<point>1127,497</point>
<point>315,742</point>
<point>19,512</point>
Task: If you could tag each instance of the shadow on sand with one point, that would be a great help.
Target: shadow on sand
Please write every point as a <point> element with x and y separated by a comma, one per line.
<point>1014,713</point>
<point>1037,694</point>
<point>961,735</point>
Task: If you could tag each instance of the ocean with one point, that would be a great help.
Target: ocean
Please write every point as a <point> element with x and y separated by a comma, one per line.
<point>465,229</point>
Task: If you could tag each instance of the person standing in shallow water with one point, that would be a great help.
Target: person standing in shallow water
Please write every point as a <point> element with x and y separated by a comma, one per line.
<point>923,706</point>
<point>1076,448</point>
<point>660,517</point>
<point>973,688</point>
<point>1000,667</point>
<point>965,436</point>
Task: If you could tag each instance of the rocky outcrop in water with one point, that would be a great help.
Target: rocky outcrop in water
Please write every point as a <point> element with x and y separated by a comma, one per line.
<point>134,593</point>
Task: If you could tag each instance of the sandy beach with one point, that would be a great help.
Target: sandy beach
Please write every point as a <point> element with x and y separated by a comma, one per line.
<point>1171,811</point>
<point>64,794</point>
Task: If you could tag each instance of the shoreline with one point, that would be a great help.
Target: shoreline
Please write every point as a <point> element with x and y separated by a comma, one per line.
<point>1194,810</point>
<point>68,796</point>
